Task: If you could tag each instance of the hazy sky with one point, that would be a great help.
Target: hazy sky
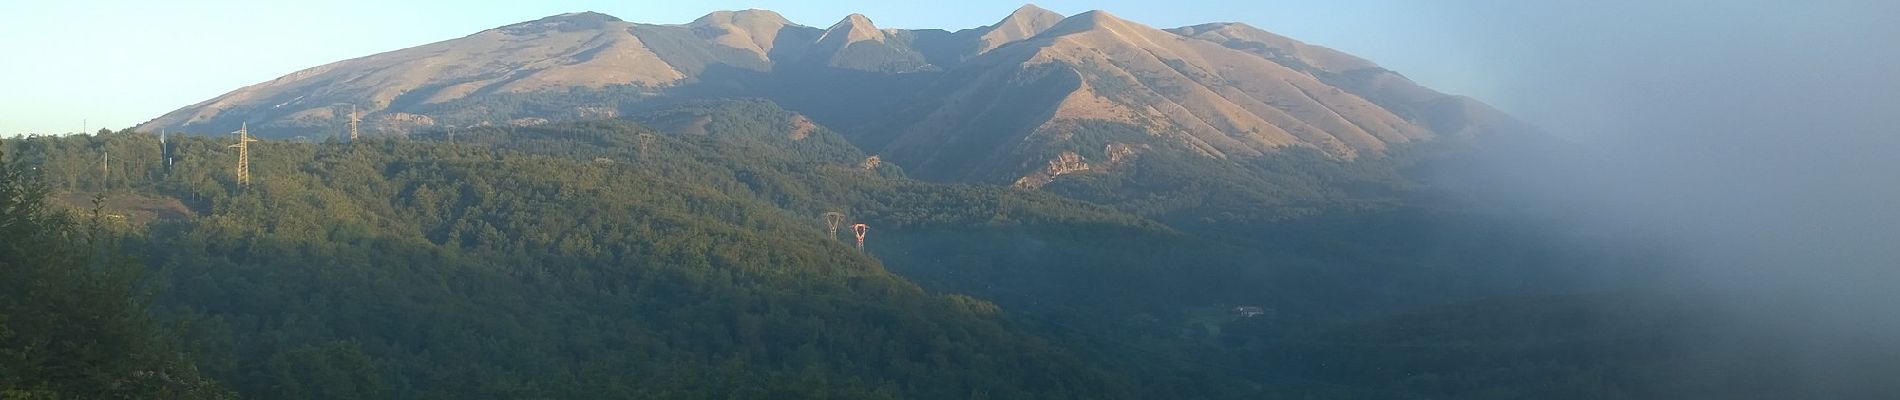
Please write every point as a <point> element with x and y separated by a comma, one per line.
<point>117,63</point>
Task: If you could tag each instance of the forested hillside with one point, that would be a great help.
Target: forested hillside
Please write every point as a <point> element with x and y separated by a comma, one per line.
<point>683,256</point>
<point>429,269</point>
<point>73,322</point>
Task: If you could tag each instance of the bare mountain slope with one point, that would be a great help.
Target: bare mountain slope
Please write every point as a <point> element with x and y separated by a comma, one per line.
<point>1026,99</point>
<point>1002,113</point>
<point>586,50</point>
<point>1025,23</point>
<point>1449,115</point>
<point>756,31</point>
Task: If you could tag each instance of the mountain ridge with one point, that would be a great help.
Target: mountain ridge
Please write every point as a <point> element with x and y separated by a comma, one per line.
<point>919,97</point>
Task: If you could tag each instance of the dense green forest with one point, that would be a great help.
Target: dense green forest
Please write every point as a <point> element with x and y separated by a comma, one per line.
<point>73,322</point>
<point>424,269</point>
<point>680,254</point>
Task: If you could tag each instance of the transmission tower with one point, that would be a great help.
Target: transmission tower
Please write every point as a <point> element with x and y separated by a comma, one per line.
<point>164,151</point>
<point>860,229</point>
<point>244,154</point>
<point>832,220</point>
<point>354,119</point>
<point>646,141</point>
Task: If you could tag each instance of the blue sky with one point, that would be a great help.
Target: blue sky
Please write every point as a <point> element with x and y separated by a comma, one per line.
<point>115,64</point>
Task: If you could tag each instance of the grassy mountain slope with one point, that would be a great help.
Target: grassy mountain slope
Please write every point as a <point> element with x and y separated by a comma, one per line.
<point>1019,101</point>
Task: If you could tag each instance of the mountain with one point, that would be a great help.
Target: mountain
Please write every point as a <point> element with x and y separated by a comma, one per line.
<point>1055,207</point>
<point>1024,23</point>
<point>1026,100</point>
<point>1036,95</point>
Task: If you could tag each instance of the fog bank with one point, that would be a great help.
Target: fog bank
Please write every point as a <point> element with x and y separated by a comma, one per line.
<point>1763,138</point>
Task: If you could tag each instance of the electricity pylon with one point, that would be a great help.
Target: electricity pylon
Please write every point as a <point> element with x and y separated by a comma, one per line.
<point>164,151</point>
<point>244,154</point>
<point>832,220</point>
<point>860,229</point>
<point>354,119</point>
<point>646,142</point>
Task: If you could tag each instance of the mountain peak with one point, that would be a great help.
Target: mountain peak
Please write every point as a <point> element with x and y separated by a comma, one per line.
<point>1031,11</point>
<point>582,16</point>
<point>856,21</point>
<point>1026,22</point>
<point>568,22</point>
<point>854,28</point>
<point>1089,21</point>
<point>743,18</point>
<point>1099,16</point>
<point>753,30</point>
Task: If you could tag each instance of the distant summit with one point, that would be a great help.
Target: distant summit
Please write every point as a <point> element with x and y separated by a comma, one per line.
<point>1025,23</point>
<point>998,103</point>
<point>569,22</point>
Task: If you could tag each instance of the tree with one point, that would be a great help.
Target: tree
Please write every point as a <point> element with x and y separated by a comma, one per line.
<point>71,325</point>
